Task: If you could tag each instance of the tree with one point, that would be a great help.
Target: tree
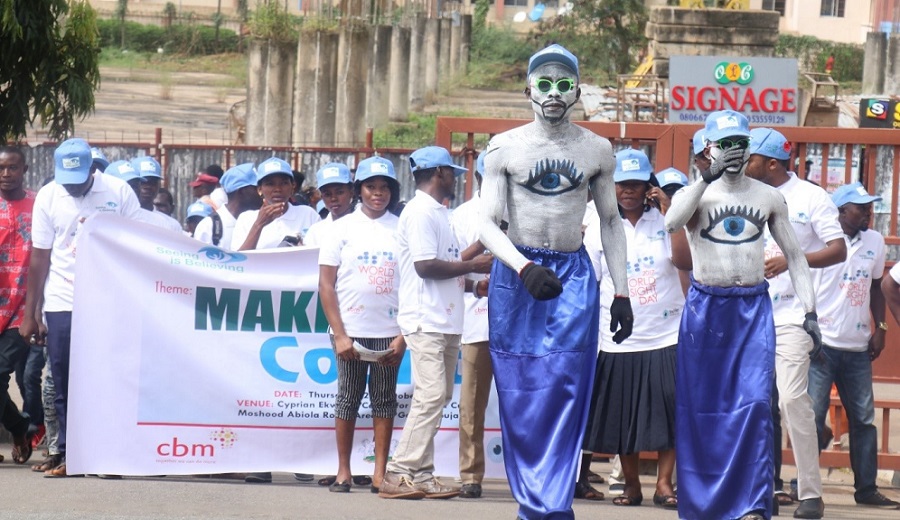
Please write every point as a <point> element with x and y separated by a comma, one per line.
<point>602,33</point>
<point>49,65</point>
<point>121,13</point>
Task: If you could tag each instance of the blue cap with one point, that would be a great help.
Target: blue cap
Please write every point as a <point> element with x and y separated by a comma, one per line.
<point>72,160</point>
<point>121,170</point>
<point>375,167</point>
<point>769,143</point>
<point>320,206</point>
<point>632,165</point>
<point>333,173</point>
<point>98,159</point>
<point>725,123</point>
<point>432,157</point>
<point>272,166</point>
<point>698,142</point>
<point>479,163</point>
<point>852,194</point>
<point>238,177</point>
<point>671,176</point>
<point>146,166</point>
<point>199,209</point>
<point>556,53</point>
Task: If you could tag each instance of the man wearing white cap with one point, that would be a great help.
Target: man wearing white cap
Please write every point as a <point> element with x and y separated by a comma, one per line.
<point>239,183</point>
<point>543,296</point>
<point>151,175</point>
<point>851,299</point>
<point>60,209</point>
<point>726,343</point>
<point>814,218</point>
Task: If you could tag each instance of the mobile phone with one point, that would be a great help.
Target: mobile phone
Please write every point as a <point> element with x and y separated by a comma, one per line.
<point>293,240</point>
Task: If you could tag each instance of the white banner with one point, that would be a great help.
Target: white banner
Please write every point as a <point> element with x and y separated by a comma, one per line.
<point>189,359</point>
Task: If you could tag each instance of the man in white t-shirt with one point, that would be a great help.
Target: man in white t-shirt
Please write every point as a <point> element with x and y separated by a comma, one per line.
<point>477,373</point>
<point>335,183</point>
<point>430,316</point>
<point>60,209</point>
<point>151,177</point>
<point>850,299</point>
<point>239,183</point>
<point>813,216</point>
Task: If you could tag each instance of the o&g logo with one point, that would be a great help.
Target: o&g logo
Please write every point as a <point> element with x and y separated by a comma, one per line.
<point>727,72</point>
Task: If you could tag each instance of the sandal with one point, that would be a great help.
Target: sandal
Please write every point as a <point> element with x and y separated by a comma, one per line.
<point>587,492</point>
<point>594,478</point>
<point>783,498</point>
<point>665,501</point>
<point>340,487</point>
<point>22,449</point>
<point>327,481</point>
<point>49,463</point>
<point>362,480</point>
<point>625,500</point>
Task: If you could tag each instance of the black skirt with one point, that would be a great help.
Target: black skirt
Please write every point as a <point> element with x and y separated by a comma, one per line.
<point>633,403</point>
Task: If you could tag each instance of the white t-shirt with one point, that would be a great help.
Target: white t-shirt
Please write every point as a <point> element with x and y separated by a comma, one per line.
<point>654,287</point>
<point>204,229</point>
<point>160,219</point>
<point>365,253</point>
<point>844,293</point>
<point>424,233</point>
<point>466,225</point>
<point>814,218</point>
<point>56,224</point>
<point>219,197</point>
<point>317,232</point>
<point>295,221</point>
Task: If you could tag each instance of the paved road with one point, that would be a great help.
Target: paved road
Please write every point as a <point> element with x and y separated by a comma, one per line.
<point>30,496</point>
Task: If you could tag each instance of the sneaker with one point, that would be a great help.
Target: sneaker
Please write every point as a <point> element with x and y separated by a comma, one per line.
<point>434,489</point>
<point>399,486</point>
<point>470,491</point>
<point>38,436</point>
<point>303,477</point>
<point>810,508</point>
<point>876,499</point>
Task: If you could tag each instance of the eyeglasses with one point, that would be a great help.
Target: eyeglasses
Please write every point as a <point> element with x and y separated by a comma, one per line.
<point>727,144</point>
<point>562,86</point>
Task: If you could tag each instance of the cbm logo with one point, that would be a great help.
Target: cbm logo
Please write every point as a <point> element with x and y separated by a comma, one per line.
<point>179,450</point>
<point>877,109</point>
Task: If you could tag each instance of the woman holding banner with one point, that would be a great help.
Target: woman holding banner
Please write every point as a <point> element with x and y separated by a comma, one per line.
<point>357,268</point>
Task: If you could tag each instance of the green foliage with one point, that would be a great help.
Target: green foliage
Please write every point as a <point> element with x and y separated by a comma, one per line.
<point>605,34</point>
<point>48,67</point>
<point>271,21</point>
<point>177,39</point>
<point>500,45</point>
<point>479,19</point>
<point>812,52</point>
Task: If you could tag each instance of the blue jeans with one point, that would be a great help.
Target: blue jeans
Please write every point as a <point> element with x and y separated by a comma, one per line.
<point>851,372</point>
<point>59,339</point>
<point>29,371</point>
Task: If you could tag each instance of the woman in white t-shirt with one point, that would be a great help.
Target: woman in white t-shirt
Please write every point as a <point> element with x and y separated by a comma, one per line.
<point>278,222</point>
<point>633,403</point>
<point>358,286</point>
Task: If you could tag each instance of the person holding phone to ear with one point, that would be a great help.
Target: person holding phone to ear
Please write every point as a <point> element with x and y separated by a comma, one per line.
<point>277,222</point>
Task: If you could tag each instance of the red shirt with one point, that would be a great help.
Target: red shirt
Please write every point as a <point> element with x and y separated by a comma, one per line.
<point>15,253</point>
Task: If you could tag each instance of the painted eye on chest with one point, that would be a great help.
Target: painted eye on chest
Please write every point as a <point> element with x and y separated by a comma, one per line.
<point>553,177</point>
<point>733,225</point>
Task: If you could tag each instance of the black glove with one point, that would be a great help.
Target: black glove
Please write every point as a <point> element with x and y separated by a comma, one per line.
<point>731,158</point>
<point>541,282</point>
<point>621,317</point>
<point>811,326</point>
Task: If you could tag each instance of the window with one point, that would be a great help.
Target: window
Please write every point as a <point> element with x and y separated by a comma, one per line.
<point>833,8</point>
<point>519,3</point>
<point>774,5</point>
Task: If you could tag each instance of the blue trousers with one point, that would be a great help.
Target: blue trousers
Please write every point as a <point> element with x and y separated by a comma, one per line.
<point>543,355</point>
<point>59,339</point>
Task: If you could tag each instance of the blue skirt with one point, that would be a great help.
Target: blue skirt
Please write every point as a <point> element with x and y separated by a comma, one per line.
<point>543,355</point>
<point>724,372</point>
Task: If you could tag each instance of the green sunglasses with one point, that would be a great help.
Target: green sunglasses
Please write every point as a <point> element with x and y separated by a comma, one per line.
<point>727,144</point>
<point>562,86</point>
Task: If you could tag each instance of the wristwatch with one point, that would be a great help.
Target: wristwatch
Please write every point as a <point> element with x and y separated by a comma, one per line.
<point>882,325</point>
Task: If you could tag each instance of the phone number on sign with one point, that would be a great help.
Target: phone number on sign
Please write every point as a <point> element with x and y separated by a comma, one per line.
<point>771,119</point>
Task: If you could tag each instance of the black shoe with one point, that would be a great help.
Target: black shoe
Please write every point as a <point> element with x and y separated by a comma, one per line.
<point>876,499</point>
<point>470,491</point>
<point>258,478</point>
<point>810,508</point>
<point>303,477</point>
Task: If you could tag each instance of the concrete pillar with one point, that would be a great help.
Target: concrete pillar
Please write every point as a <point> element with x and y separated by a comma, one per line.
<point>315,93</point>
<point>378,91</point>
<point>400,60</point>
<point>874,63</point>
<point>454,47</point>
<point>445,48</point>
<point>892,65</point>
<point>353,67</point>
<point>432,56</point>
<point>270,96</point>
<point>417,63</point>
<point>465,43</point>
